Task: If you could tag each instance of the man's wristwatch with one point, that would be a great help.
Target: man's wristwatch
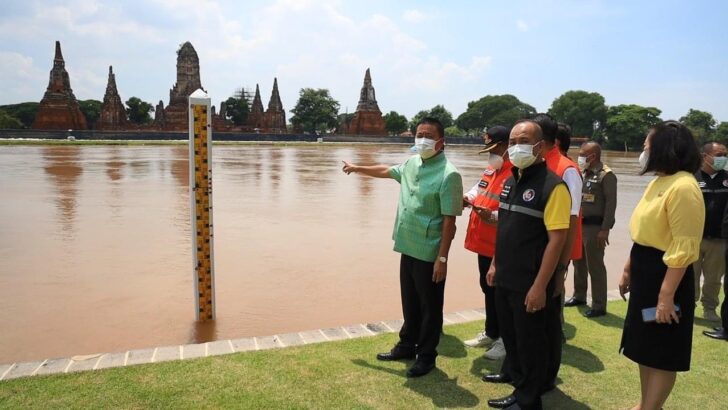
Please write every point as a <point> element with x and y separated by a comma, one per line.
<point>442,259</point>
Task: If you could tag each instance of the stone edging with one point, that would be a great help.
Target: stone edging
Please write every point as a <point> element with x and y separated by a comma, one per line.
<point>220,347</point>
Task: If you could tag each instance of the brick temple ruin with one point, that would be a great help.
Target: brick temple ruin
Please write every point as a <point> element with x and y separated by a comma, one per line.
<point>113,113</point>
<point>368,118</point>
<point>59,109</point>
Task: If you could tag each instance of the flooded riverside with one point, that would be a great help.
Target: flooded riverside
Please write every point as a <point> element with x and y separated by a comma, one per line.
<point>96,249</point>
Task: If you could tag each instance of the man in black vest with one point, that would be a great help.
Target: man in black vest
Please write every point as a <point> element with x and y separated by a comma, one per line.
<point>713,182</point>
<point>533,224</point>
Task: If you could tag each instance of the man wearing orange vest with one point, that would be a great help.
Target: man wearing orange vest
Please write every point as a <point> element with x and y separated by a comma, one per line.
<point>484,200</point>
<point>568,171</point>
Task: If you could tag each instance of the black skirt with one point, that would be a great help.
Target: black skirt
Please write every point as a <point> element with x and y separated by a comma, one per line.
<point>660,346</point>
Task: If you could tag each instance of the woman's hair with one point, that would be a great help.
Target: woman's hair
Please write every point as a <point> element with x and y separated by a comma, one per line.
<point>672,149</point>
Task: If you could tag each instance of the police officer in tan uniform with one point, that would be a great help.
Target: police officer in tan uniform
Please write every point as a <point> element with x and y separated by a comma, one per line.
<point>598,204</point>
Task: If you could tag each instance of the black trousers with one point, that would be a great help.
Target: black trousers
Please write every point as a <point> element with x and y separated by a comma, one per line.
<point>491,315</point>
<point>525,339</point>
<point>554,333</point>
<point>724,306</point>
<point>422,301</point>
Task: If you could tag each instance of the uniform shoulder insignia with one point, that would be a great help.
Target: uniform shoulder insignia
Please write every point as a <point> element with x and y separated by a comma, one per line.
<point>606,169</point>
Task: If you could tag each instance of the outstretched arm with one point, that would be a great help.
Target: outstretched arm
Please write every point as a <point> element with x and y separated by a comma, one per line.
<point>375,171</point>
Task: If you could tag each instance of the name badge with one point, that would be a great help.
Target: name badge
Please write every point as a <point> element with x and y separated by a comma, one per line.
<point>587,198</point>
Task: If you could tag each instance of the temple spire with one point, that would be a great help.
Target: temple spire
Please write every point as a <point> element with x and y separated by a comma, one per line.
<point>275,103</point>
<point>58,59</point>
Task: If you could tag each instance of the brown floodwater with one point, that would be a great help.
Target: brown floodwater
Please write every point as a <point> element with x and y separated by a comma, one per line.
<point>96,249</point>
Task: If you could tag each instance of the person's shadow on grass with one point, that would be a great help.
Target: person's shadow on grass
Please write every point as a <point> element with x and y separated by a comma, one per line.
<point>557,399</point>
<point>581,359</point>
<point>442,390</point>
<point>610,319</point>
<point>481,366</point>
<point>451,346</point>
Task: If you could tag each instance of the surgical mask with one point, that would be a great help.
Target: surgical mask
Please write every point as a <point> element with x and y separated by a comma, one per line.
<point>644,158</point>
<point>495,161</point>
<point>719,163</point>
<point>425,147</point>
<point>583,163</point>
<point>521,155</point>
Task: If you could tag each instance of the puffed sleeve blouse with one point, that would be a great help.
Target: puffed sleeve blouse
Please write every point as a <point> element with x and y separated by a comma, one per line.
<point>670,217</point>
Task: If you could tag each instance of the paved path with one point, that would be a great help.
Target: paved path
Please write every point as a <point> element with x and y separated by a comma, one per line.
<point>219,347</point>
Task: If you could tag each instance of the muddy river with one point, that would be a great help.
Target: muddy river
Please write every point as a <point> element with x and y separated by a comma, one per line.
<point>95,248</point>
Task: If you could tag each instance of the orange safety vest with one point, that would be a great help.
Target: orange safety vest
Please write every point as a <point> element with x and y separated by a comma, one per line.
<point>559,164</point>
<point>480,237</point>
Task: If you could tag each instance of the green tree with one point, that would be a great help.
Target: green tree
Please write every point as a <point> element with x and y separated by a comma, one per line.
<point>138,111</point>
<point>493,110</point>
<point>701,123</point>
<point>627,125</point>
<point>581,110</point>
<point>25,112</point>
<point>721,133</point>
<point>315,110</point>
<point>395,122</point>
<point>8,121</point>
<point>91,109</point>
<point>237,110</point>
<point>454,131</point>
<point>438,111</point>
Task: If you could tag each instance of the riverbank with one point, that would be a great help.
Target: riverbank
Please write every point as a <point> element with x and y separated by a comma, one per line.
<point>157,137</point>
<point>345,374</point>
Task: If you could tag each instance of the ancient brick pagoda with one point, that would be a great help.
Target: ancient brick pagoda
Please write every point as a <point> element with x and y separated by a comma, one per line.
<point>275,116</point>
<point>59,109</point>
<point>113,113</point>
<point>367,118</point>
<point>256,117</point>
<point>188,81</point>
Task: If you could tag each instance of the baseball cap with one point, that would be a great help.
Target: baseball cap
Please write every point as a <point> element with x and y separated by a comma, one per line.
<point>495,135</point>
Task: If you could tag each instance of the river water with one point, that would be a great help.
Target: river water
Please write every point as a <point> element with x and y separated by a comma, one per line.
<point>96,250</point>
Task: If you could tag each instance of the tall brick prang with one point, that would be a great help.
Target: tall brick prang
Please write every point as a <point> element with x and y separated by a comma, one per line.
<point>368,118</point>
<point>59,109</point>
<point>113,113</point>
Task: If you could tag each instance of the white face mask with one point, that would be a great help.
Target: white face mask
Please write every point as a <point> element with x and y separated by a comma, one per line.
<point>425,147</point>
<point>644,158</point>
<point>719,163</point>
<point>495,161</point>
<point>521,155</point>
<point>583,163</point>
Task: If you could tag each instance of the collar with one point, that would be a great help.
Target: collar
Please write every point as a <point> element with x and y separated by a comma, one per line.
<point>595,168</point>
<point>439,157</point>
<point>519,174</point>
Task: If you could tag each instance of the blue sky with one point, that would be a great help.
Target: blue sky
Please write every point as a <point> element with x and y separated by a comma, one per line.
<point>668,54</point>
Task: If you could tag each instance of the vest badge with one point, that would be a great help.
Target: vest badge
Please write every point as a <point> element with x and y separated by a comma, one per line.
<point>528,195</point>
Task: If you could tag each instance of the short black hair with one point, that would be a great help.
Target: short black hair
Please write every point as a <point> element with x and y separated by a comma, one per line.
<point>548,125</point>
<point>708,147</point>
<point>563,134</point>
<point>672,149</point>
<point>433,121</point>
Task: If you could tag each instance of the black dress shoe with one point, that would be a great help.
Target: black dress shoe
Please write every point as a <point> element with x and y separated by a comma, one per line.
<point>497,378</point>
<point>574,302</point>
<point>592,313</point>
<point>420,368</point>
<point>718,328</point>
<point>503,402</point>
<point>716,334</point>
<point>396,354</point>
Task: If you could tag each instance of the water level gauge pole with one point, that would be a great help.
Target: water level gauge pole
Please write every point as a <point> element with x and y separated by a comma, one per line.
<point>200,132</point>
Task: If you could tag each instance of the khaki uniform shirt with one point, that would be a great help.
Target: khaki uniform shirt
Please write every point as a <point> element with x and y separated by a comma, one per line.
<point>599,196</point>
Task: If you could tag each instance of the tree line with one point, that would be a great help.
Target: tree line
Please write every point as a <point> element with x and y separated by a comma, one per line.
<point>617,127</point>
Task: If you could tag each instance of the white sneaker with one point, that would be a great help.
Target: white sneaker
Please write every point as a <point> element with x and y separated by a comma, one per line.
<point>710,315</point>
<point>497,351</point>
<point>482,340</point>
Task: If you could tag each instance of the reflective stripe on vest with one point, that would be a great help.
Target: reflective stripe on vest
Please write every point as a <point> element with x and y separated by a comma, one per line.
<point>522,209</point>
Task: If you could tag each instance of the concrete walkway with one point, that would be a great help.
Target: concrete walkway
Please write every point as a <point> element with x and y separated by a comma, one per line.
<point>220,347</point>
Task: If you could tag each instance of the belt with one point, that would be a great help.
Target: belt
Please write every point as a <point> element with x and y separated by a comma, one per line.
<point>592,220</point>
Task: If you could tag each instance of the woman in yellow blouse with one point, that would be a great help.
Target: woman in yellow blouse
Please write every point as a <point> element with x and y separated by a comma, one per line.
<point>666,227</point>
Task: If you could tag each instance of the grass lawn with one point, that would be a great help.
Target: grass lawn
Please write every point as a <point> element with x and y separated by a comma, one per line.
<point>345,374</point>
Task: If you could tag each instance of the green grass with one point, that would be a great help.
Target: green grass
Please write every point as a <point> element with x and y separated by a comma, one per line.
<point>345,374</point>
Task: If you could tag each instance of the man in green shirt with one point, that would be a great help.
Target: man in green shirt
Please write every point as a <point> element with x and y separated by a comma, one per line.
<point>430,197</point>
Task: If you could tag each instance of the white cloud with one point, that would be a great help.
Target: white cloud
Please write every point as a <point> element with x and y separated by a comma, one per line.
<point>521,25</point>
<point>414,16</point>
<point>21,80</point>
